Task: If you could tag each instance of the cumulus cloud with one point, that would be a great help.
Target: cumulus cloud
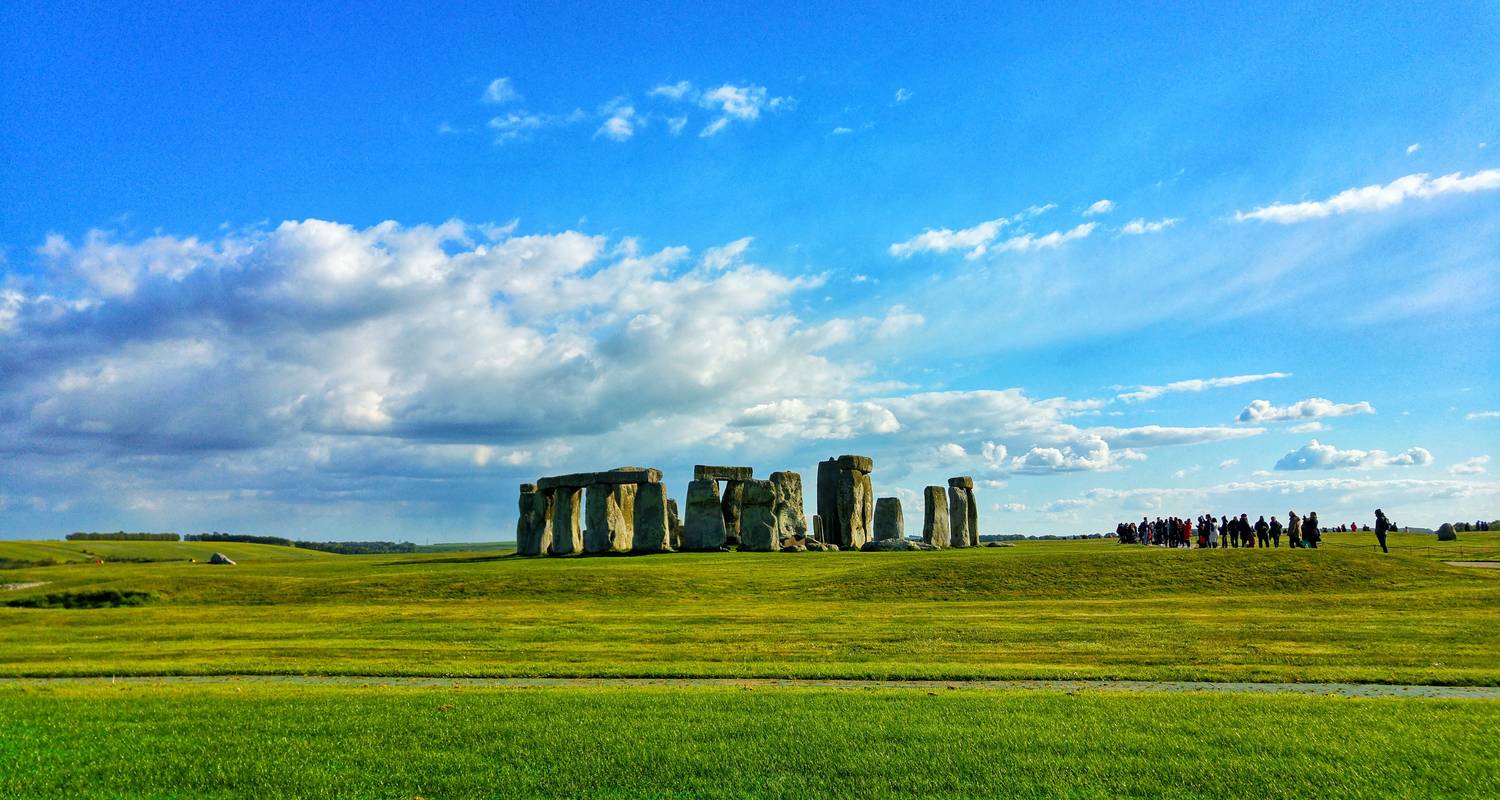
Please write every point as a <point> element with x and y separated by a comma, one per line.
<point>619,122</point>
<point>1315,455</point>
<point>500,90</point>
<point>1137,227</point>
<point>1092,454</point>
<point>673,91</point>
<point>976,239</point>
<point>1141,393</point>
<point>1375,197</point>
<point>1099,207</point>
<point>737,104</point>
<point>1311,408</point>
<point>899,321</point>
<point>1476,415</point>
<point>1472,466</point>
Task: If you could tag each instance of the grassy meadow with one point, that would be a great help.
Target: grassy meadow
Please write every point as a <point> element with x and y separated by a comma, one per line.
<point>1084,609</point>
<point>99,740</point>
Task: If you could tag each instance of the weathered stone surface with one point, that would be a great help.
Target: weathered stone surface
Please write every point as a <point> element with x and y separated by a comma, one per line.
<point>220,558</point>
<point>732,506</point>
<point>1445,532</point>
<point>861,463</point>
<point>958,517</point>
<point>652,521</point>
<point>674,522</point>
<point>791,517</point>
<point>575,480</point>
<point>962,482</point>
<point>973,518</point>
<point>854,504</point>
<point>828,501</point>
<point>533,526</point>
<point>758,526</point>
<point>713,472</point>
<point>817,528</point>
<point>790,543</point>
<point>886,545</point>
<point>567,537</point>
<point>703,527</point>
<point>889,523</point>
<point>608,518</point>
<point>935,516</point>
<point>628,475</point>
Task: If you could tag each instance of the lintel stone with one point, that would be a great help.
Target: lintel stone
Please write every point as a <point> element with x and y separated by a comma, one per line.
<point>711,472</point>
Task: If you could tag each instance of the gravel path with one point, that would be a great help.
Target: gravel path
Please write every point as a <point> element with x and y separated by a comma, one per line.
<point>1324,689</point>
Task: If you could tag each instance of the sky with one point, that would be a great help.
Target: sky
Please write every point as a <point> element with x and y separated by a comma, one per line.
<point>357,274</point>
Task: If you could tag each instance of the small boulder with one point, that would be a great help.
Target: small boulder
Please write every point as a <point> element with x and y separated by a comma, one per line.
<point>887,545</point>
<point>220,558</point>
<point>1445,533</point>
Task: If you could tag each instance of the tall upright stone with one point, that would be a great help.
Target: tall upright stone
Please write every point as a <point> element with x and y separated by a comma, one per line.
<point>958,516</point>
<point>889,523</point>
<point>731,506</point>
<point>817,528</point>
<point>567,537</point>
<point>966,483</point>
<point>935,517</point>
<point>674,522</point>
<point>828,501</point>
<point>846,500</point>
<point>703,527</point>
<point>652,529</point>
<point>533,531</point>
<point>607,529</point>
<point>791,517</point>
<point>759,531</point>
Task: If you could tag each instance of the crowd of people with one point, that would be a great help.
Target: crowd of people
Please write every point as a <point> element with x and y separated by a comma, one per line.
<point>1227,531</point>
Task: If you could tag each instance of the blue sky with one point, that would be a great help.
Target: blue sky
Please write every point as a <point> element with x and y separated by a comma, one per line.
<point>285,270</point>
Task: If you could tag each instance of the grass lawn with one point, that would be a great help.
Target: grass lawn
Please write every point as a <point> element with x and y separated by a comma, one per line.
<point>98,740</point>
<point>1089,609</point>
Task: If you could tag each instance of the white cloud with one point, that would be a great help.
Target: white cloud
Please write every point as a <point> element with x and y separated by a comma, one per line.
<point>1186,471</point>
<point>1027,242</point>
<point>1311,408</point>
<point>1091,455</point>
<point>1413,147</point>
<point>738,103</point>
<point>1099,207</point>
<point>1472,466</point>
<point>1064,506</point>
<point>1137,227</point>
<point>1011,507</point>
<point>1309,427</point>
<point>1197,385</point>
<point>720,258</point>
<point>518,125</point>
<point>1375,197</point>
<point>902,95</point>
<point>898,321</point>
<point>952,450</point>
<point>1473,415</point>
<point>976,240</point>
<point>1325,456</point>
<point>500,90</point>
<point>673,91</point>
<point>842,131</point>
<point>676,124</point>
<point>620,121</point>
<point>1228,462</point>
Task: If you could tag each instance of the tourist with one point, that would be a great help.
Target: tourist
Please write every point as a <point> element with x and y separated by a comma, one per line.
<point>1310,533</point>
<point>1275,531</point>
<point>1293,530</point>
<point>1247,533</point>
<point>1213,534</point>
<point>1262,532</point>
<point>1382,527</point>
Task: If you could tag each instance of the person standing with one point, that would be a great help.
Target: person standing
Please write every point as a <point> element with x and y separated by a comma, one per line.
<point>1262,532</point>
<point>1213,535</point>
<point>1247,533</point>
<point>1310,533</point>
<point>1382,527</point>
<point>1232,527</point>
<point>1275,531</point>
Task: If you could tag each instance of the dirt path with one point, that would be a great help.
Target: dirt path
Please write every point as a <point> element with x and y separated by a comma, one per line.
<point>1478,564</point>
<point>1324,689</point>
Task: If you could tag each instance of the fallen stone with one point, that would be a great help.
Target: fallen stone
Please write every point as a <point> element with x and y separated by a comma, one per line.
<point>889,523</point>
<point>790,545</point>
<point>220,558</point>
<point>710,472</point>
<point>935,517</point>
<point>758,527</point>
<point>923,546</point>
<point>958,517</point>
<point>652,520</point>
<point>886,545</point>
<point>1445,533</point>
<point>703,527</point>
<point>791,518</point>
<point>861,463</point>
<point>998,544</point>
<point>567,537</point>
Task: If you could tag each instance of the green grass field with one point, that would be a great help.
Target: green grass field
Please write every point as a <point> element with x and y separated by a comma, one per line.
<point>103,741</point>
<point>1088,609</point>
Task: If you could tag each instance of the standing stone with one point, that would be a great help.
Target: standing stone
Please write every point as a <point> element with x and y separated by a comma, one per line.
<point>758,528</point>
<point>732,507</point>
<point>606,526</point>
<point>855,508</point>
<point>958,515</point>
<point>1445,533</point>
<point>935,517</point>
<point>817,528</point>
<point>533,526</point>
<point>567,538</point>
<point>652,525</point>
<point>828,501</point>
<point>889,524</point>
<point>791,518</point>
<point>966,483</point>
<point>704,526</point>
<point>674,520</point>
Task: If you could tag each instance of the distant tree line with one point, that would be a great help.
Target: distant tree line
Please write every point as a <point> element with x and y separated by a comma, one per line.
<point>122,536</point>
<point>359,548</point>
<point>1481,525</point>
<point>244,538</point>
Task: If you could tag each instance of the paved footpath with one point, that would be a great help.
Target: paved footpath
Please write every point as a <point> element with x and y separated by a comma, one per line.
<point>1323,689</point>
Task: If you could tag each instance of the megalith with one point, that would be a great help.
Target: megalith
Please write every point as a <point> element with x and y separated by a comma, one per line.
<point>846,500</point>
<point>732,507</point>
<point>758,528</point>
<point>817,528</point>
<point>567,538</point>
<point>703,527</point>
<point>935,517</point>
<point>966,483</point>
<point>791,517</point>
<point>1445,533</point>
<point>958,516</point>
<point>651,523</point>
<point>607,528</point>
<point>674,522</point>
<point>889,524</point>
<point>533,526</point>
